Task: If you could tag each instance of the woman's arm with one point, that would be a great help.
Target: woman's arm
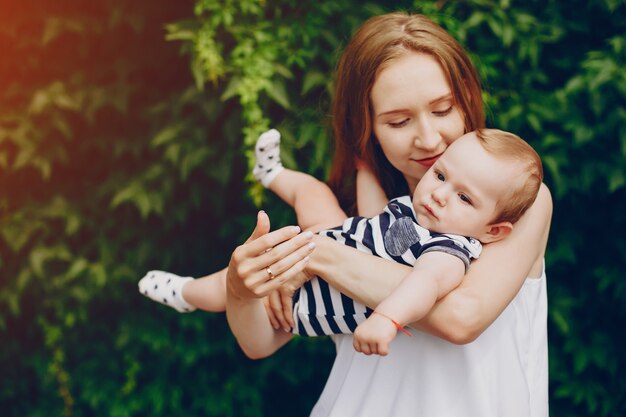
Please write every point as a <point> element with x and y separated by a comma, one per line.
<point>261,265</point>
<point>249,323</point>
<point>488,287</point>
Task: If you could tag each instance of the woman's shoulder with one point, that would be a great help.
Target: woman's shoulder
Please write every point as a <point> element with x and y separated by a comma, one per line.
<point>544,199</point>
<point>540,213</point>
<point>541,210</point>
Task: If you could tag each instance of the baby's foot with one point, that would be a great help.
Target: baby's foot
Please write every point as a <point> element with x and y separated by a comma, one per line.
<point>166,288</point>
<point>268,164</point>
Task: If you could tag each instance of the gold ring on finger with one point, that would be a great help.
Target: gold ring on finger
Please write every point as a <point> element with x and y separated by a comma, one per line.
<point>269,272</point>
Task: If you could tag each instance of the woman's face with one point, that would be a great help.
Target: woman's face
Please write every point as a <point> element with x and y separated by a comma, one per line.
<point>414,114</point>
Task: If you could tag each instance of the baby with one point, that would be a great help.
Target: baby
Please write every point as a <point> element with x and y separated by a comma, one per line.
<point>475,192</point>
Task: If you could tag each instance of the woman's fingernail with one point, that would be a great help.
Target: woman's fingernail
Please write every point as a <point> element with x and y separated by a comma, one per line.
<point>308,234</point>
<point>286,329</point>
<point>311,245</point>
<point>296,229</point>
<point>306,259</point>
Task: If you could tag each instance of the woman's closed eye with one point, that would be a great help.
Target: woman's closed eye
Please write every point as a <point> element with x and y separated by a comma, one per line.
<point>442,113</point>
<point>399,124</point>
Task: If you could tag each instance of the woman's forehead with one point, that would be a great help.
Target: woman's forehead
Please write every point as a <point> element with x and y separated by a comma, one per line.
<point>412,79</point>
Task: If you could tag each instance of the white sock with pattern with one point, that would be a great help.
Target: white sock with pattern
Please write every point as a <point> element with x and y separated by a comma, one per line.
<point>267,151</point>
<point>166,288</point>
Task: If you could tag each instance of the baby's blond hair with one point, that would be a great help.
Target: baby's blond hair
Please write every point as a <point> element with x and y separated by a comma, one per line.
<point>523,191</point>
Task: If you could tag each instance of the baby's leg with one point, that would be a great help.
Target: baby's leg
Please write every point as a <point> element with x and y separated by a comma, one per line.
<point>315,204</point>
<point>185,294</point>
<point>207,293</point>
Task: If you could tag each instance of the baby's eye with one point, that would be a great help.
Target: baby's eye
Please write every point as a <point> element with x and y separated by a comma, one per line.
<point>398,124</point>
<point>439,176</point>
<point>465,199</point>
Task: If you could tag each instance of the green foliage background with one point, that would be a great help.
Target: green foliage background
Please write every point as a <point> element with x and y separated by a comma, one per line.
<point>125,137</point>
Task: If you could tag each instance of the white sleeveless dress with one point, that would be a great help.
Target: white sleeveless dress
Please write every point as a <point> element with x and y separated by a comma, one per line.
<point>503,373</point>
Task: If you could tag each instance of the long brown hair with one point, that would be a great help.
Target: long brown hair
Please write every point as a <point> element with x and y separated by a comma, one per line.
<point>377,42</point>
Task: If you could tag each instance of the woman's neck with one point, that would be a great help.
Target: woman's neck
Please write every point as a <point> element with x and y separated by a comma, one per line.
<point>412,183</point>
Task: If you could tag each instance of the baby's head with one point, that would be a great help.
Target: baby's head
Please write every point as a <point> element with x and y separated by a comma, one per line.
<point>481,185</point>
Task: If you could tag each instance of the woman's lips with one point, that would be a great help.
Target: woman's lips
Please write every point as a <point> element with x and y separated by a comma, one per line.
<point>427,162</point>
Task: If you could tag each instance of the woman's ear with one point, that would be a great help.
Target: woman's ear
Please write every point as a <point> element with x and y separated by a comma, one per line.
<point>496,231</point>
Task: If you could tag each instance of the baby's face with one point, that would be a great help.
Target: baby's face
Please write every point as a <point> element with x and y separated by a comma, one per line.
<point>459,193</point>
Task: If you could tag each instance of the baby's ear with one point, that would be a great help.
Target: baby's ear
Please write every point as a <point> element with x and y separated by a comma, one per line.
<point>496,231</point>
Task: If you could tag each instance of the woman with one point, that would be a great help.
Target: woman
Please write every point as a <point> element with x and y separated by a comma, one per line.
<point>405,91</point>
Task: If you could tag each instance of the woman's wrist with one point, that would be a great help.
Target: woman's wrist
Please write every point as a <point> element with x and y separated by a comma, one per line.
<point>321,259</point>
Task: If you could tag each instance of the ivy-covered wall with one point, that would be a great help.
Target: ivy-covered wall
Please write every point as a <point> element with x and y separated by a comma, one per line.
<point>125,136</point>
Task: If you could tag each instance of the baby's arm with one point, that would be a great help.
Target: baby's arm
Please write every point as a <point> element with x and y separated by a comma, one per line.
<point>487,288</point>
<point>434,275</point>
<point>370,196</point>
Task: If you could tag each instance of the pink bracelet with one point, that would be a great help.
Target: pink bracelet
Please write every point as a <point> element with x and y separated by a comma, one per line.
<point>398,326</point>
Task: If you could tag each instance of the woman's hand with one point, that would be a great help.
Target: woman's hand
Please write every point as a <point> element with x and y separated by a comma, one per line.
<point>261,265</point>
<point>266,261</point>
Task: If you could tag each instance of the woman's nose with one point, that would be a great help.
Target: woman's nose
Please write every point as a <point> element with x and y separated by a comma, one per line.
<point>426,136</point>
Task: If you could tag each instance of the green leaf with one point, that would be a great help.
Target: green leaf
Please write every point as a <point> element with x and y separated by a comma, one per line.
<point>127,193</point>
<point>172,153</point>
<point>62,125</point>
<point>507,35</point>
<point>24,157</point>
<point>77,267</point>
<point>42,254</point>
<point>180,31</point>
<point>284,71</point>
<point>72,224</point>
<point>313,79</point>
<point>143,203</point>
<point>193,160</point>
<point>616,180</point>
<point>23,279</point>
<point>232,89</point>
<point>17,233</point>
<point>98,274</point>
<point>167,134</point>
<point>581,359</point>
<point>278,92</point>
<point>534,122</point>
<point>561,322</point>
<point>474,20</point>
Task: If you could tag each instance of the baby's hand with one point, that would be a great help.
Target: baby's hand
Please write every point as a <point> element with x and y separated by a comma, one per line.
<point>279,306</point>
<point>279,303</point>
<point>374,335</point>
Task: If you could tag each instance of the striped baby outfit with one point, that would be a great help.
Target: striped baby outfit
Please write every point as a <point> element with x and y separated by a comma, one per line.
<point>320,309</point>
